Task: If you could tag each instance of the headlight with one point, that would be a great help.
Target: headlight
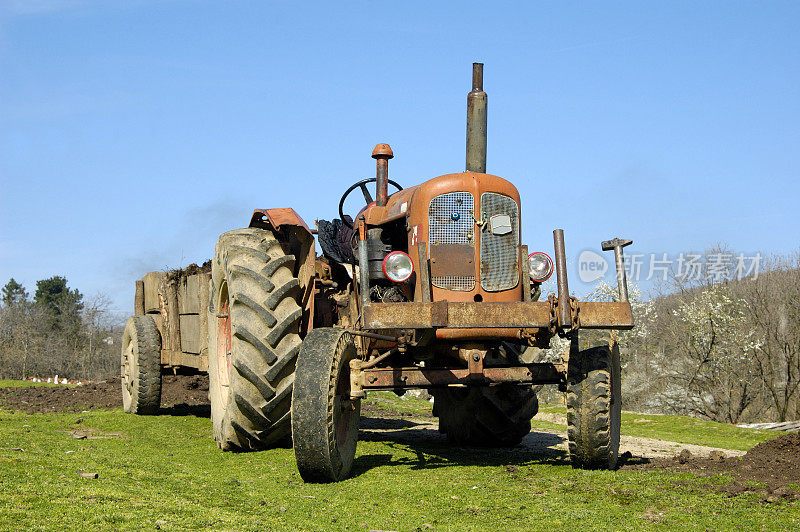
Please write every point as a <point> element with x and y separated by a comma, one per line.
<point>540,266</point>
<point>397,266</point>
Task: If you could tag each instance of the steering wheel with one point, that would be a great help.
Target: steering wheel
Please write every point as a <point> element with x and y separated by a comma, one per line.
<point>367,196</point>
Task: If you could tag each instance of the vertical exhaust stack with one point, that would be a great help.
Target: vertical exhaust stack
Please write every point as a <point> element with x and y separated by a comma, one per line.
<point>382,153</point>
<point>476,122</point>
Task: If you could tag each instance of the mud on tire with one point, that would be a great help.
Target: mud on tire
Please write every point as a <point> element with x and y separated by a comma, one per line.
<point>324,417</point>
<point>495,416</point>
<point>141,366</point>
<point>253,340</point>
<point>594,407</point>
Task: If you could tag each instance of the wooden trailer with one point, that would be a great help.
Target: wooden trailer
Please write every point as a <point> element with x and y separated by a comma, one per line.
<point>178,303</point>
<point>168,332</point>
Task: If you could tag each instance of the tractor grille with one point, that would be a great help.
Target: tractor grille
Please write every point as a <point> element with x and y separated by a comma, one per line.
<point>450,221</point>
<point>453,282</point>
<point>499,253</point>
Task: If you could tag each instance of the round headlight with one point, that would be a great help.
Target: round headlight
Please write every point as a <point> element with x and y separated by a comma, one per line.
<point>397,266</point>
<point>540,266</point>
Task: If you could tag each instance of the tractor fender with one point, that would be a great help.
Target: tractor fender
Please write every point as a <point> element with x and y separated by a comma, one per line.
<point>278,217</point>
<point>288,225</point>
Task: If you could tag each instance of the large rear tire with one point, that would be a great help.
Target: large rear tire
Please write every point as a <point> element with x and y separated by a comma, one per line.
<point>594,407</point>
<point>324,417</point>
<point>253,340</point>
<point>495,416</point>
<point>141,366</point>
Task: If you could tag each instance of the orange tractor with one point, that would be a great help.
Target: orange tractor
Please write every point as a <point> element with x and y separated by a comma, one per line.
<point>427,287</point>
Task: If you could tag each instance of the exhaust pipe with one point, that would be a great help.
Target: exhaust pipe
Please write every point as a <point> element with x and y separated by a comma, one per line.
<point>476,122</point>
<point>382,153</point>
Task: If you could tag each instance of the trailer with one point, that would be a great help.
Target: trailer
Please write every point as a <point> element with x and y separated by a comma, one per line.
<point>167,333</point>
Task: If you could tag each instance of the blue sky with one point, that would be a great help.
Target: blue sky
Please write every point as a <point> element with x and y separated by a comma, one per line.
<point>133,133</point>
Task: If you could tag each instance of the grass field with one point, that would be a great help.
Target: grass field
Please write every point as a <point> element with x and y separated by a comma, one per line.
<point>679,429</point>
<point>166,472</point>
<point>25,384</point>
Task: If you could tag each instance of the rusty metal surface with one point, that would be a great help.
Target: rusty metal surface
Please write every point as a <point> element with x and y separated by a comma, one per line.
<point>277,217</point>
<point>598,315</point>
<point>452,260</point>
<point>475,333</point>
<point>564,312</point>
<point>413,377</point>
<point>474,362</point>
<point>476,122</point>
<point>418,223</point>
<point>382,153</point>
<point>524,273</point>
<point>594,315</point>
<point>440,311</point>
<point>363,277</point>
<point>423,272</point>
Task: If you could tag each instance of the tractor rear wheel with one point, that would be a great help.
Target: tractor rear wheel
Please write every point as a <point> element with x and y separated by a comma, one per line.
<point>594,407</point>
<point>253,340</point>
<point>493,416</point>
<point>141,366</point>
<point>324,417</point>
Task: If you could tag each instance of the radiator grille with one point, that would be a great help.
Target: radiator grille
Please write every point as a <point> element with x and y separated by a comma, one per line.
<point>455,283</point>
<point>450,221</point>
<point>499,253</point>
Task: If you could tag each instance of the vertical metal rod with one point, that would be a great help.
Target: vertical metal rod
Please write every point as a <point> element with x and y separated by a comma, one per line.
<point>525,273</point>
<point>622,280</point>
<point>424,272</point>
<point>382,182</point>
<point>564,311</point>
<point>363,276</point>
<point>476,122</point>
<point>382,153</point>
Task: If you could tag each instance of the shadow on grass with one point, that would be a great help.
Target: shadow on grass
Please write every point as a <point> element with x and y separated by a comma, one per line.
<point>184,409</point>
<point>421,446</point>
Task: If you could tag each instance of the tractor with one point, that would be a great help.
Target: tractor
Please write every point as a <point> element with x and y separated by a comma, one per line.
<point>427,287</point>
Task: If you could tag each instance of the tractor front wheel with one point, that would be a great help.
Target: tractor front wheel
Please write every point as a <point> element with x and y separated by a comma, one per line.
<point>594,406</point>
<point>324,417</point>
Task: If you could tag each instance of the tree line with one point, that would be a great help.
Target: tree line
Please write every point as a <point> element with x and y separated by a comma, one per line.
<point>727,350</point>
<point>56,332</point>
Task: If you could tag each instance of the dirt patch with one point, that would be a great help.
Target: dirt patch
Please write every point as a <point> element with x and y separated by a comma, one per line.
<point>183,390</point>
<point>770,469</point>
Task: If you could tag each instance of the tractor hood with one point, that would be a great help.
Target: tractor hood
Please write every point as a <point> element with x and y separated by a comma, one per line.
<point>471,224</point>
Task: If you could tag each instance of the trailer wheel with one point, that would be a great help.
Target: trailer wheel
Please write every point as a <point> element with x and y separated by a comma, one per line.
<point>480,416</point>
<point>253,340</point>
<point>594,407</point>
<point>324,418</point>
<point>141,366</point>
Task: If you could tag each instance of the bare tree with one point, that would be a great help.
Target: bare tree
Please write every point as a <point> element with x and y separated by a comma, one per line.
<point>773,310</point>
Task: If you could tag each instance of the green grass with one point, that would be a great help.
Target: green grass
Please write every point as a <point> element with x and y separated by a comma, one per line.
<point>6,383</point>
<point>166,470</point>
<point>677,428</point>
<point>390,402</point>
